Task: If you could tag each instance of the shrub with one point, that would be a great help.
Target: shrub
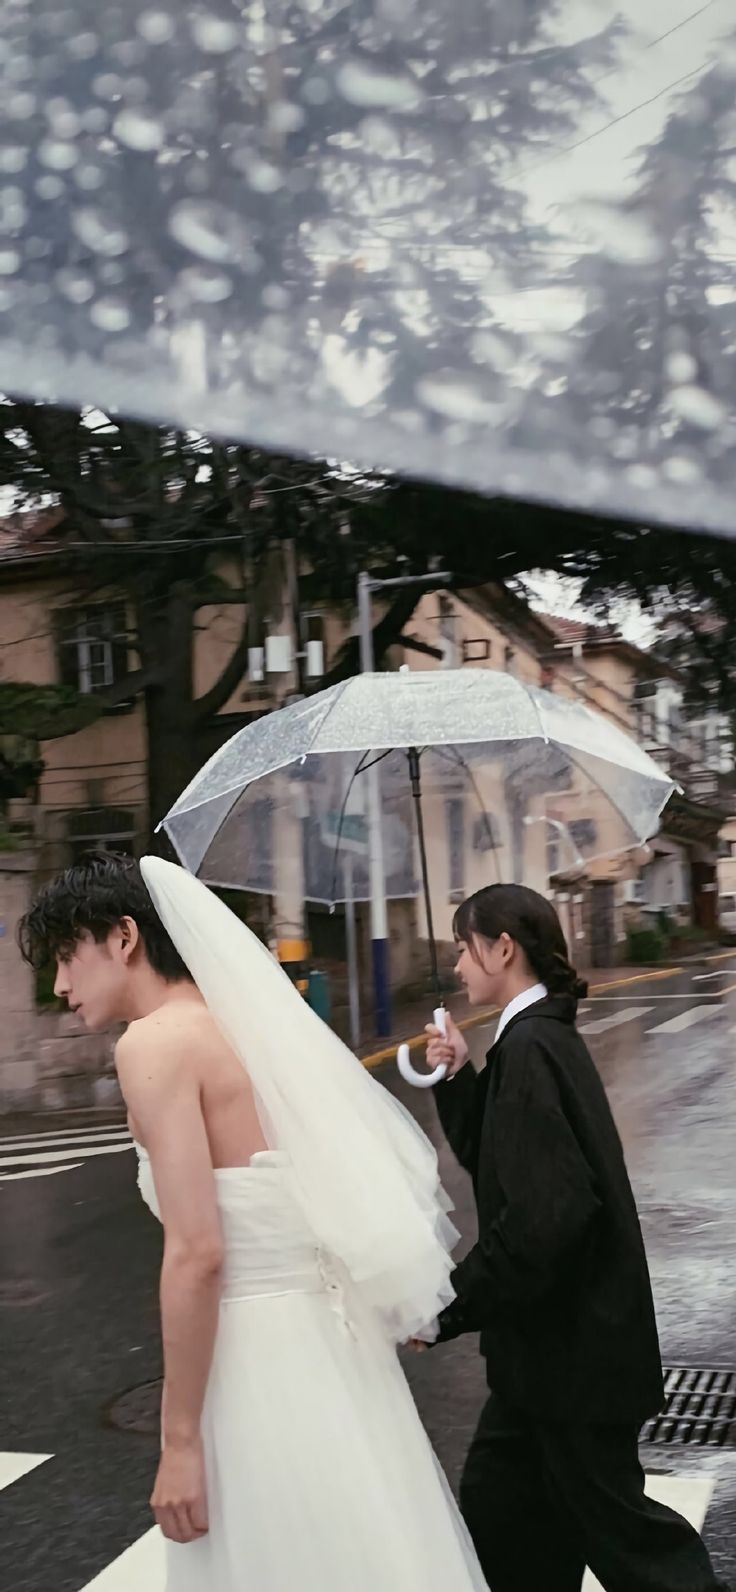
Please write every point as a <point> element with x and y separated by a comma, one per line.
<point>645,945</point>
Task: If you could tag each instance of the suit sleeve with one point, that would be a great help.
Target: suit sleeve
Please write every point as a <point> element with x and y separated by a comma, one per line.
<point>457,1109</point>
<point>548,1205</point>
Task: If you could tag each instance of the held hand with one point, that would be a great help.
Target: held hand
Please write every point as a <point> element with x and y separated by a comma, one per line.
<point>179,1498</point>
<point>450,1050</point>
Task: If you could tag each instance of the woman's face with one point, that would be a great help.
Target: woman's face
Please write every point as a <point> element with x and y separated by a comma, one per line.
<point>483,968</point>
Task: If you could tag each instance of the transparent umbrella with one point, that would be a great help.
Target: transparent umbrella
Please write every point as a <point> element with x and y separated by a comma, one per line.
<point>507,783</point>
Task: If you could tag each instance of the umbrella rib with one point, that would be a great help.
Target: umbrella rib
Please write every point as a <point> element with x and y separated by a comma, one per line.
<point>362,768</point>
<point>460,762</point>
<point>339,693</point>
<point>615,804</point>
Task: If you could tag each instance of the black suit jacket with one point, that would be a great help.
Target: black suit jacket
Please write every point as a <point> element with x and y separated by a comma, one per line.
<point>557,1283</point>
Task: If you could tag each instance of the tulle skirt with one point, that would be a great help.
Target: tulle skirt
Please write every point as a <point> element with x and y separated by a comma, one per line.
<point>320,1475</point>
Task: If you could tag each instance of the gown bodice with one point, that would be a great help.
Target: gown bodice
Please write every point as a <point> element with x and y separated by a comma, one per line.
<point>268,1247</point>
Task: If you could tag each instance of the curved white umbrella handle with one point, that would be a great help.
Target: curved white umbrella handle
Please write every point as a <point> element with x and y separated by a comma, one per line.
<point>422,1080</point>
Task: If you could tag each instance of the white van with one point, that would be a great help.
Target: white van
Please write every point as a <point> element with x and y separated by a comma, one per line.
<point>727,913</point>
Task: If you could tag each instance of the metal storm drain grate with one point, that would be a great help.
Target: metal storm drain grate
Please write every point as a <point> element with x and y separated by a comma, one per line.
<point>699,1409</point>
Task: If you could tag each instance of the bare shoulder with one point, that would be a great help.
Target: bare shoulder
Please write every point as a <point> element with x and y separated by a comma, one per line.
<point>155,1048</point>
<point>176,1038</point>
<point>158,1062</point>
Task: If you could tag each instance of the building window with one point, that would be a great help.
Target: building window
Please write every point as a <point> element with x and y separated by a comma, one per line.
<point>509,660</point>
<point>455,819</point>
<point>100,829</point>
<point>554,851</point>
<point>92,646</point>
<point>476,650</point>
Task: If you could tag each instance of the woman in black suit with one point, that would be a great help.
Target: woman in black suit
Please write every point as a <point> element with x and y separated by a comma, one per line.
<point>557,1283</point>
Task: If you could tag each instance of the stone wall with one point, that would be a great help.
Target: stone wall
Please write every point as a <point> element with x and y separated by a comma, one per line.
<point>48,1062</point>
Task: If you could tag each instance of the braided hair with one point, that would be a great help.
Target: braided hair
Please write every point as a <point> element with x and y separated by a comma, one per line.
<point>532,922</point>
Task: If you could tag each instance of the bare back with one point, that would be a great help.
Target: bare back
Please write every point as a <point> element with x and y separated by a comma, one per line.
<point>227,1102</point>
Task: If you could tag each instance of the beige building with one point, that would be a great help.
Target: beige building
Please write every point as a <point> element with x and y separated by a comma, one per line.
<point>676,874</point>
<point>93,790</point>
<point>727,876</point>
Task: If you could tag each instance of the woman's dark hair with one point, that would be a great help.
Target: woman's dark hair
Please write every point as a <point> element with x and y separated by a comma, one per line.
<point>530,920</point>
<point>92,898</point>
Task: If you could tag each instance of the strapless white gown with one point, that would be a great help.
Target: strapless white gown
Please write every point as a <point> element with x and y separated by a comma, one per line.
<point>320,1475</point>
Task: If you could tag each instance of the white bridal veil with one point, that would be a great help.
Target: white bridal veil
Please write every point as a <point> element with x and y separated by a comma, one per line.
<point>365,1174</point>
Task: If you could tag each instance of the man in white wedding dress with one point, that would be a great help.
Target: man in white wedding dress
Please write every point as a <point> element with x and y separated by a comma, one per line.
<point>305,1235</point>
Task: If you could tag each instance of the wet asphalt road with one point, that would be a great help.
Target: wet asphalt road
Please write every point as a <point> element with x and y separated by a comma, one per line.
<point>78,1275</point>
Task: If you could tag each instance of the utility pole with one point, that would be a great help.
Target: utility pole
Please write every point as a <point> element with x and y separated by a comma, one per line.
<point>367,586</point>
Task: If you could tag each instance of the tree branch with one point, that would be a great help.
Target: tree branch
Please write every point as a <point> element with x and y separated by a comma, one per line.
<point>205,707</point>
<point>131,685</point>
<point>385,635</point>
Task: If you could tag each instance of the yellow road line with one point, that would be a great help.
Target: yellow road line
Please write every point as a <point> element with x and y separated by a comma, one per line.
<point>388,1053</point>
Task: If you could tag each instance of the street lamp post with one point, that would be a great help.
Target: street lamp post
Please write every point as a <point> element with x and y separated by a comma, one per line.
<point>367,586</point>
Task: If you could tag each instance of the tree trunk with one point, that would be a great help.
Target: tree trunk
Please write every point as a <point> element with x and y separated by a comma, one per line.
<point>165,629</point>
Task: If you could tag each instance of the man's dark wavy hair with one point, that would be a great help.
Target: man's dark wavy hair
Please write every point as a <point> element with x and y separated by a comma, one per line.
<point>92,898</point>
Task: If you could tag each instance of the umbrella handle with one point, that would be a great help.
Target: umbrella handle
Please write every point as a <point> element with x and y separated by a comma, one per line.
<point>422,1080</point>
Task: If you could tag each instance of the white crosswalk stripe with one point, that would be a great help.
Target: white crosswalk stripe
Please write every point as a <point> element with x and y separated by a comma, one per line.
<point>600,1025</point>
<point>687,1495</point>
<point>142,1566</point>
<point>50,1153</point>
<point>54,1141</point>
<point>683,1020</point>
<point>13,1466</point>
<point>40,1171</point>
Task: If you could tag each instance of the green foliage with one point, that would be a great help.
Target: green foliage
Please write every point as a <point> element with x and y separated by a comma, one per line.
<point>646,945</point>
<point>44,712</point>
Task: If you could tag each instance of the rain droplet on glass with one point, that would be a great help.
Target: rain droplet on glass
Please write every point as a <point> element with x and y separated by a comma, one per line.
<point>138,130</point>
<point>99,233</point>
<point>75,285</point>
<point>13,158</point>
<point>204,284</point>
<point>682,470</point>
<point>89,177</point>
<point>110,313</point>
<point>681,368</point>
<point>461,395</point>
<point>10,261</point>
<point>212,231</point>
<point>264,177</point>
<point>156,27</point>
<point>283,117</point>
<point>363,83</point>
<point>21,106</point>
<point>83,46</point>
<point>107,85</point>
<point>57,154</point>
<point>698,407</point>
<point>49,188</point>
<point>215,35</point>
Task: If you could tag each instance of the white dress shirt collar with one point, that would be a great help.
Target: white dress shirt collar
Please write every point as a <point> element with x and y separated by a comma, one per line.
<point>528,997</point>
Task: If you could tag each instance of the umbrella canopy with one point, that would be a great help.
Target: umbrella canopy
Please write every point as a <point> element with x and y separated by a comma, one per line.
<point>487,244</point>
<point>537,781</point>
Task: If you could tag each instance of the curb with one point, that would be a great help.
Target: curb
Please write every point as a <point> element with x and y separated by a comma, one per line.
<point>478,1018</point>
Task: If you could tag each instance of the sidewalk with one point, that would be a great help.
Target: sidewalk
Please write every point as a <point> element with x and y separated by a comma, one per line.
<point>410,1020</point>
